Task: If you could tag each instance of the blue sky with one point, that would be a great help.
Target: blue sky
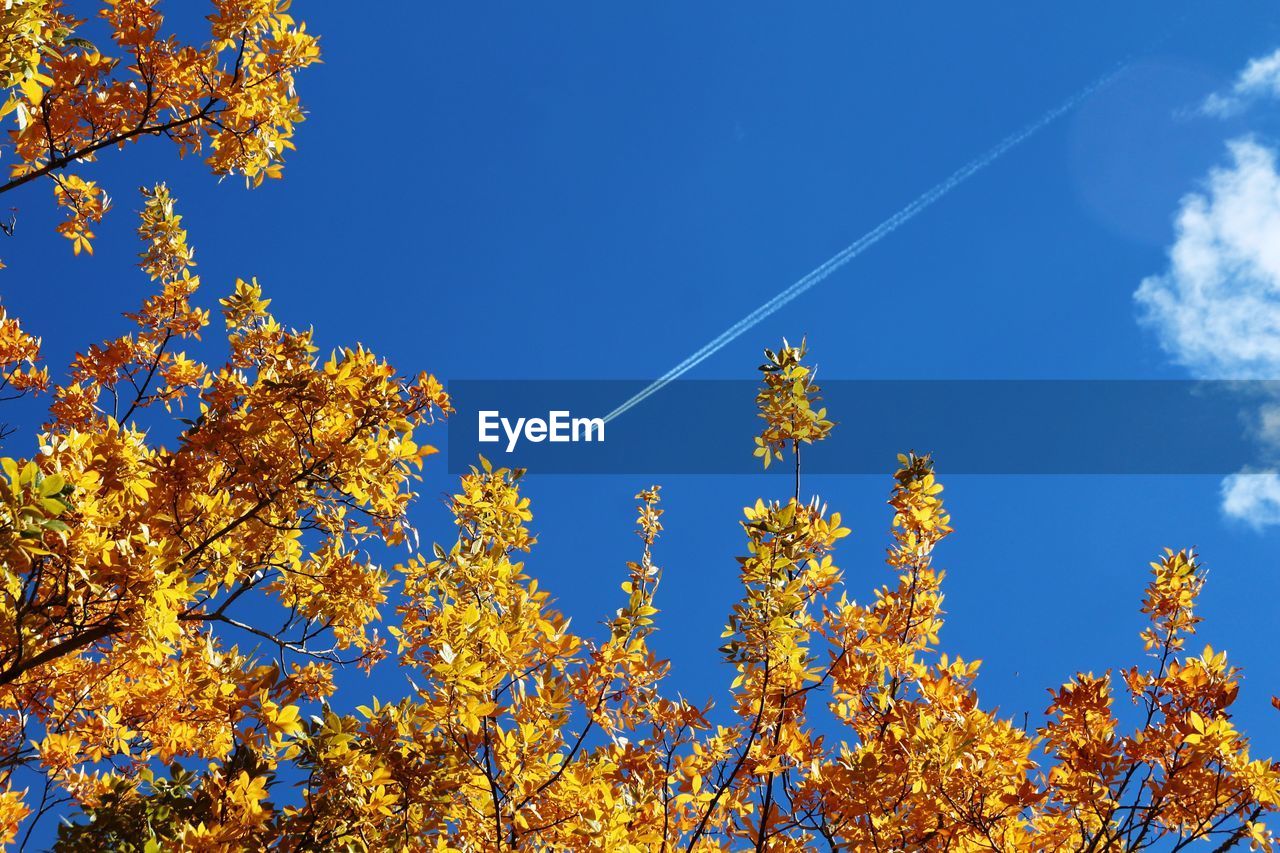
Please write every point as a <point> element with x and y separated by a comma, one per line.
<point>512,190</point>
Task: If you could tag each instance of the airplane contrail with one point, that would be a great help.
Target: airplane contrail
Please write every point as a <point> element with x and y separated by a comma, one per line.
<point>866,241</point>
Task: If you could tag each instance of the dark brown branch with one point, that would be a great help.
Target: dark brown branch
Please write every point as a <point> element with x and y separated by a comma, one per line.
<point>71,644</point>
<point>142,129</point>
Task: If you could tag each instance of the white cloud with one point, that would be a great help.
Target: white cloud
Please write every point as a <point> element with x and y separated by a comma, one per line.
<point>1252,497</point>
<point>1259,79</point>
<point>1217,308</point>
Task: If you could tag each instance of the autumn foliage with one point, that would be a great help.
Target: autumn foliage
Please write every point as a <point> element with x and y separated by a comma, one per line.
<point>231,99</point>
<point>186,554</point>
<point>173,613</point>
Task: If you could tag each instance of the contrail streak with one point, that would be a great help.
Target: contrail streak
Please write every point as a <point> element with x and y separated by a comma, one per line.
<point>866,241</point>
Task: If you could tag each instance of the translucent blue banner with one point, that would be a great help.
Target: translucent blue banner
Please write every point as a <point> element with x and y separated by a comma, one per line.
<point>971,426</point>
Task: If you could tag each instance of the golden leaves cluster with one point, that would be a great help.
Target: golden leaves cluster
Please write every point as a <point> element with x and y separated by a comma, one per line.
<point>787,403</point>
<point>25,27</point>
<point>231,98</point>
<point>522,734</point>
<point>180,600</point>
<point>131,636</point>
<point>19,358</point>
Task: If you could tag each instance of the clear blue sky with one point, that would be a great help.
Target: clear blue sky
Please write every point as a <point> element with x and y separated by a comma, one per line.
<point>585,190</point>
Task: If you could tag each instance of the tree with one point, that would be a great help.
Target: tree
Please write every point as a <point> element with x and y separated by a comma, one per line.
<point>232,98</point>
<point>185,563</point>
<point>127,566</point>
